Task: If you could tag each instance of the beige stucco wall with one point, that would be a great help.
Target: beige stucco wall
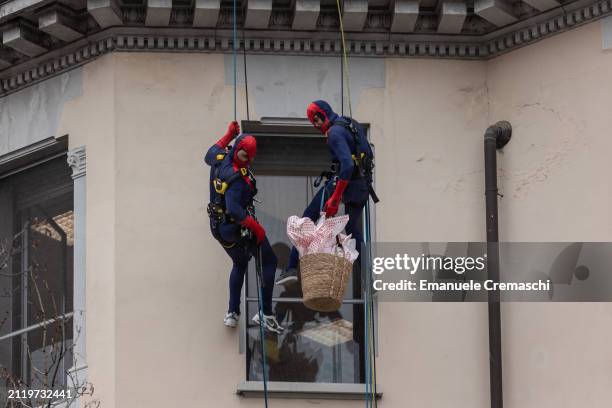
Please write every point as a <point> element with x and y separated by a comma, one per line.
<point>90,121</point>
<point>156,280</point>
<point>557,94</point>
<point>433,115</point>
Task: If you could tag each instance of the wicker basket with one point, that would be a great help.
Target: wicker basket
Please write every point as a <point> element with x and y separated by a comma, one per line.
<point>324,279</point>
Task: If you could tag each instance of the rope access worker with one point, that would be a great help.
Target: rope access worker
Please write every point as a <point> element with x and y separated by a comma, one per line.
<point>233,223</point>
<point>350,180</point>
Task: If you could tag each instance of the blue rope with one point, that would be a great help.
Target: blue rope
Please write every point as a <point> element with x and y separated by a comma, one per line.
<point>323,196</point>
<point>261,323</point>
<point>369,330</point>
<point>367,353</point>
<point>235,52</point>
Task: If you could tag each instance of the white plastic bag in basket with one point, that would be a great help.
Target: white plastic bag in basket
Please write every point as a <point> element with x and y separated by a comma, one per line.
<point>309,238</point>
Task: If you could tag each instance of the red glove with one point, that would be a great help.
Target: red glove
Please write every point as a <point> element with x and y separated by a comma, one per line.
<point>255,227</point>
<point>233,130</point>
<point>331,206</point>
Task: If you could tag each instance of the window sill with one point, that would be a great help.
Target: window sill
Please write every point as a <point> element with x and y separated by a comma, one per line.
<point>254,389</point>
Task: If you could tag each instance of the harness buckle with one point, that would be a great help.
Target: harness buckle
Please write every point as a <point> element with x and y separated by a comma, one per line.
<point>358,160</point>
<point>220,186</point>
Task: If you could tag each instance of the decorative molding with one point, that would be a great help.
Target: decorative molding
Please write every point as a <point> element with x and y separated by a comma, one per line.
<point>33,154</point>
<point>606,28</point>
<point>143,39</point>
<point>77,161</point>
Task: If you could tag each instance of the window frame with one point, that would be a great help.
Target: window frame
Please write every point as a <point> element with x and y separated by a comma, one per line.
<point>31,156</point>
<point>298,127</point>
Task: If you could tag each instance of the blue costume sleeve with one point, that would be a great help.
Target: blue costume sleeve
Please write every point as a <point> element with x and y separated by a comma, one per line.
<point>211,155</point>
<point>340,148</point>
<point>232,201</point>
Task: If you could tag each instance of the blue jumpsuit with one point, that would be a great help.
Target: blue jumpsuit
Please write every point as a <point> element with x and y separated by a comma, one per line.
<point>237,197</point>
<point>342,147</point>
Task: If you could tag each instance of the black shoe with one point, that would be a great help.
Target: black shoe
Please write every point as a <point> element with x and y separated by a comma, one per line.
<point>288,277</point>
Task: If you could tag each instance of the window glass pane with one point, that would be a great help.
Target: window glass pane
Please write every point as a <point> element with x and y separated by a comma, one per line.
<point>50,355</point>
<point>292,155</point>
<point>46,362</point>
<point>36,271</point>
<point>315,347</point>
<point>5,361</point>
<point>50,264</point>
<point>282,197</point>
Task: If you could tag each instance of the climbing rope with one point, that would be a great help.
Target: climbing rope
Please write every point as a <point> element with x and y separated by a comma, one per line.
<point>370,342</point>
<point>234,55</point>
<point>341,86</point>
<point>258,265</point>
<point>246,80</point>
<point>370,345</point>
<point>259,278</point>
<point>322,204</point>
<point>345,61</point>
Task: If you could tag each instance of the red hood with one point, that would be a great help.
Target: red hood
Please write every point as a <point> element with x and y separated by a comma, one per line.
<point>314,109</point>
<point>249,145</point>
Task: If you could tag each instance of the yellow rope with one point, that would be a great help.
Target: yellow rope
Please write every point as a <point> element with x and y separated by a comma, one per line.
<point>345,56</point>
<point>371,352</point>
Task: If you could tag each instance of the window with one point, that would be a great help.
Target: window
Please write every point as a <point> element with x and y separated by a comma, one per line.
<point>36,275</point>
<point>315,347</point>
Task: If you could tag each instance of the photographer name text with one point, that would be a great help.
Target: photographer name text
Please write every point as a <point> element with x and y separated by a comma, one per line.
<point>458,265</point>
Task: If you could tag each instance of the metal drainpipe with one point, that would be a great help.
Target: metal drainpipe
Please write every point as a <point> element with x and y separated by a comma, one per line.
<point>496,137</point>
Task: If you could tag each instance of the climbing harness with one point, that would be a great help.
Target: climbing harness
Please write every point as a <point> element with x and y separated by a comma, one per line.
<point>364,163</point>
<point>217,208</point>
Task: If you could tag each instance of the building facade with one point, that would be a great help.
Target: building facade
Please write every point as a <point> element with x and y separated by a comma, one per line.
<point>130,96</point>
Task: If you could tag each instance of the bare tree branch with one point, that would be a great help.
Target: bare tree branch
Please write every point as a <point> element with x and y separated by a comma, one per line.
<point>48,362</point>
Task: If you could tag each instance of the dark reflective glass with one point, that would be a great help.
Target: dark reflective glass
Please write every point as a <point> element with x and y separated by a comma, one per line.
<point>282,197</point>
<point>315,347</point>
<point>36,273</point>
<point>50,355</point>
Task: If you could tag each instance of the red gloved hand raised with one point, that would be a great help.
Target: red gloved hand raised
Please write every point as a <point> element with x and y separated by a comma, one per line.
<point>233,130</point>
<point>331,206</point>
<point>255,227</point>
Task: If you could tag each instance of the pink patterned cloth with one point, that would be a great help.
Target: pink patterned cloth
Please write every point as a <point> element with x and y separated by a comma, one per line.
<point>309,238</point>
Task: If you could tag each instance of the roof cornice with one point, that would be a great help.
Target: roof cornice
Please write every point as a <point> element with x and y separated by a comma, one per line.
<point>373,45</point>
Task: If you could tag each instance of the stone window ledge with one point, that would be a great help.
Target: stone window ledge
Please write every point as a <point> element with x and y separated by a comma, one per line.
<point>254,389</point>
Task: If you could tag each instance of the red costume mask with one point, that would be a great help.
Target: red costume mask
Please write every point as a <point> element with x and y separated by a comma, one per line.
<point>315,110</point>
<point>249,145</point>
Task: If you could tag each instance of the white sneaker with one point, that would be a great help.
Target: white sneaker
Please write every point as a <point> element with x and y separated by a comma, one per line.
<point>231,319</point>
<point>287,278</point>
<point>270,323</point>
